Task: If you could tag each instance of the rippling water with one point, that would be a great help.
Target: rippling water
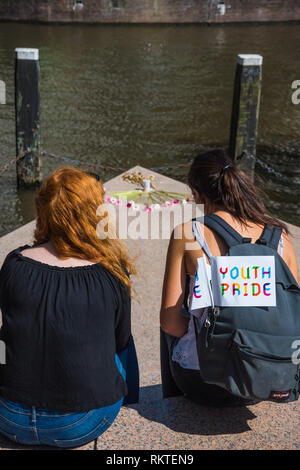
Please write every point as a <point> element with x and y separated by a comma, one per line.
<point>154,96</point>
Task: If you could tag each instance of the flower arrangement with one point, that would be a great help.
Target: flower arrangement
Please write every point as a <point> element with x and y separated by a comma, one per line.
<point>139,199</point>
<point>138,179</point>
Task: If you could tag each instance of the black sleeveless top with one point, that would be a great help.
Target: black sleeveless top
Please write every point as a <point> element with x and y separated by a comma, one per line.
<point>62,328</point>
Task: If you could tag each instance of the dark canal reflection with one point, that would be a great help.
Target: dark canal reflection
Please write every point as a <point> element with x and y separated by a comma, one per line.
<point>152,95</point>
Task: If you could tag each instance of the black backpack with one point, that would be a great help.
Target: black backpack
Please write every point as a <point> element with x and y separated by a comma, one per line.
<point>253,352</point>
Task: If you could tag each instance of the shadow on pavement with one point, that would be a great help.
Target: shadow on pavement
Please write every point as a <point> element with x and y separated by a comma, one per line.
<point>182,415</point>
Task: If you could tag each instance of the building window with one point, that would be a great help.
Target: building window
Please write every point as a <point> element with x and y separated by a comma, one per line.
<point>118,3</point>
<point>222,8</point>
<point>78,5</point>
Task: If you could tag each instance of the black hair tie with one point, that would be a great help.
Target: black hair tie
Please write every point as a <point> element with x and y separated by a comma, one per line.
<point>215,184</point>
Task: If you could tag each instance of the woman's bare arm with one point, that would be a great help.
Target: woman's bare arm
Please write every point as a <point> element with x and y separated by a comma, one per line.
<point>171,319</point>
<point>289,256</point>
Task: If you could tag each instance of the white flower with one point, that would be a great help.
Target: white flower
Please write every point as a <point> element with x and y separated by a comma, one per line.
<point>112,200</point>
<point>183,201</point>
<point>156,207</point>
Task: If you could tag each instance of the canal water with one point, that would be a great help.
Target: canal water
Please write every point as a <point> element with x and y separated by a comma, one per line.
<point>154,96</point>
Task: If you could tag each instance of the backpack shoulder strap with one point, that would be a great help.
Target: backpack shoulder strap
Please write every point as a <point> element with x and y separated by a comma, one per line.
<point>200,237</point>
<point>229,235</point>
<point>271,236</point>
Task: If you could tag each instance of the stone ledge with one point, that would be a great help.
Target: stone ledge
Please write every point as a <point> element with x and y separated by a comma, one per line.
<point>175,423</point>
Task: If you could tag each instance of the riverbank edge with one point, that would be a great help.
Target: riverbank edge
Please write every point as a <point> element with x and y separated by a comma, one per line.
<point>203,24</point>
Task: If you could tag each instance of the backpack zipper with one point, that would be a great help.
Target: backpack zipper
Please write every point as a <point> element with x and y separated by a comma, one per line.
<point>210,324</point>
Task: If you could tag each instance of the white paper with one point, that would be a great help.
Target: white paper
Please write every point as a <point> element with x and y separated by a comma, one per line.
<point>242,281</point>
<point>200,289</point>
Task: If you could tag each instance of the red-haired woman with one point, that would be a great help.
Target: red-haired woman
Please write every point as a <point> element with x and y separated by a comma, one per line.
<point>66,312</point>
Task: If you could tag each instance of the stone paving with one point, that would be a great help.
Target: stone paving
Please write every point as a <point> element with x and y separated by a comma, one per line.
<point>175,423</point>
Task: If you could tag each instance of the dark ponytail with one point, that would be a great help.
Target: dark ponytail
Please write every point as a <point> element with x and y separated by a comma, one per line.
<point>215,175</point>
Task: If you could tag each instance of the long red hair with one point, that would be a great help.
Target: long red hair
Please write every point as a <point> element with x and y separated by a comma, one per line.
<point>66,206</point>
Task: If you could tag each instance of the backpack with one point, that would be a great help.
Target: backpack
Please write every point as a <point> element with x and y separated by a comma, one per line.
<point>251,351</point>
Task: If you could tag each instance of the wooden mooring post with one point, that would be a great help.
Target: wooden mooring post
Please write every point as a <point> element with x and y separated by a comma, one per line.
<point>245,110</point>
<point>27,106</point>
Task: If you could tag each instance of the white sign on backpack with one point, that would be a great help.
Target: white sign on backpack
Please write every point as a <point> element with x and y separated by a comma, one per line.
<point>243,281</point>
<point>200,289</point>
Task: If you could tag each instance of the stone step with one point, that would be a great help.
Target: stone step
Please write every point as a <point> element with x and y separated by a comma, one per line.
<point>175,423</point>
<point>178,424</point>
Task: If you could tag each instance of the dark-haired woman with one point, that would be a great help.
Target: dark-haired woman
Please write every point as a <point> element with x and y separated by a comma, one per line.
<point>226,191</point>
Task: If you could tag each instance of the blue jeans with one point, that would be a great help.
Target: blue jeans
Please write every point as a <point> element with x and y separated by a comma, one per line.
<point>28,425</point>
